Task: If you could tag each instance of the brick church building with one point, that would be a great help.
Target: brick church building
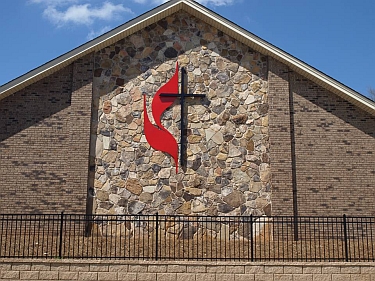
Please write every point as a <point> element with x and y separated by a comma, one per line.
<point>266,134</point>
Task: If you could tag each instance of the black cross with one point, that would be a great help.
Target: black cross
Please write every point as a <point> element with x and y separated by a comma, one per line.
<point>182,97</point>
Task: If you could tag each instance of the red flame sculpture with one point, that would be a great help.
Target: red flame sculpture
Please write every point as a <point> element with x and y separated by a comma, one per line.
<point>159,137</point>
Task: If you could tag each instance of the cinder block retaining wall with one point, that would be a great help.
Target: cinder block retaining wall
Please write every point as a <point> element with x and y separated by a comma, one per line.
<point>25,269</point>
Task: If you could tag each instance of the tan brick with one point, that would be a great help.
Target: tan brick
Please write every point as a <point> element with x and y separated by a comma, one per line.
<point>312,269</point>
<point>157,268</point>
<point>341,277</point>
<point>40,266</point>
<point>166,276</point>
<point>196,268</point>
<point>185,277</point>
<point>29,275</point>
<point>176,268</point>
<point>87,276</point>
<point>107,276</point>
<point>128,276</point>
<point>60,266</point>
<point>146,277</point>
<point>331,269</point>
<point>137,268</point>
<point>205,277</point>
<point>9,274</point>
<point>292,269</point>
<point>21,266</point>
<point>118,267</point>
<point>5,266</point>
<point>350,269</point>
<point>274,269</point>
<point>99,267</point>
<point>215,269</point>
<point>283,277</point>
<point>68,275</point>
<point>239,269</point>
<point>322,277</point>
<point>367,269</point>
<point>225,277</point>
<point>79,267</point>
<point>302,277</point>
<point>264,277</point>
<point>256,269</point>
<point>360,277</point>
<point>244,277</point>
<point>48,275</point>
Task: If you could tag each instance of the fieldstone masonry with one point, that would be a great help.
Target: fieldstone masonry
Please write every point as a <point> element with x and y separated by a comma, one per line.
<point>228,170</point>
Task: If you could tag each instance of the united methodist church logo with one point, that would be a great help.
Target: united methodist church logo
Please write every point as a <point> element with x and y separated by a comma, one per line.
<point>157,136</point>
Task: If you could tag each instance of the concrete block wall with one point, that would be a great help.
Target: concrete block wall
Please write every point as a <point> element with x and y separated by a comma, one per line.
<point>21,269</point>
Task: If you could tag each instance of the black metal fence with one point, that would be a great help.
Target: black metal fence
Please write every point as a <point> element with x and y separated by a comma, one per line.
<point>159,237</point>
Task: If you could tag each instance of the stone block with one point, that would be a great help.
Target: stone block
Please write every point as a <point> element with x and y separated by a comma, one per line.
<point>330,269</point>
<point>166,276</point>
<point>9,274</point>
<point>146,277</point>
<point>5,266</point>
<point>128,276</point>
<point>360,277</point>
<point>302,277</point>
<point>322,277</point>
<point>239,269</point>
<point>80,267</point>
<point>341,277</point>
<point>99,267</point>
<point>205,277</point>
<point>185,277</point>
<point>350,269</point>
<point>196,268</point>
<point>60,266</point>
<point>312,269</point>
<point>292,269</point>
<point>157,268</point>
<point>118,268</point>
<point>21,266</point>
<point>107,276</point>
<point>87,276</point>
<point>244,277</point>
<point>176,268</point>
<point>29,275</point>
<point>364,269</point>
<point>283,277</point>
<point>256,269</point>
<point>225,277</point>
<point>274,269</point>
<point>264,277</point>
<point>137,268</point>
<point>48,275</point>
<point>215,269</point>
<point>43,266</point>
<point>68,275</point>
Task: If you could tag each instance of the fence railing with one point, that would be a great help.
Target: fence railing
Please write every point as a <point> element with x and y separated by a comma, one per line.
<point>161,237</point>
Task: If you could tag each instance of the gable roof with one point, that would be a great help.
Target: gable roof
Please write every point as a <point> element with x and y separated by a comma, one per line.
<point>207,16</point>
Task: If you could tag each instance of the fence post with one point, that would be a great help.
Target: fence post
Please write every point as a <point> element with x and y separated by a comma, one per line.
<point>251,238</point>
<point>61,234</point>
<point>345,239</point>
<point>157,237</point>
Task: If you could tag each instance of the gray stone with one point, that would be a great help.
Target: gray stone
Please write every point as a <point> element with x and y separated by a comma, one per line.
<point>234,199</point>
<point>135,207</point>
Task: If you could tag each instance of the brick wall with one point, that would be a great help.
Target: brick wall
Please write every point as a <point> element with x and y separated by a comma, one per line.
<point>183,271</point>
<point>334,149</point>
<point>44,139</point>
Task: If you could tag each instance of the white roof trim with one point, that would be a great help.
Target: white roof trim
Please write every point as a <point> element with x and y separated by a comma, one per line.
<point>204,14</point>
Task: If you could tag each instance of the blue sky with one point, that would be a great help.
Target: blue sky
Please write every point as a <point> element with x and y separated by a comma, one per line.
<point>335,36</point>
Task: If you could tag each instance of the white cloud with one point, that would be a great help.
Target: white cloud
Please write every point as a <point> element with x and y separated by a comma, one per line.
<point>83,14</point>
<point>93,34</point>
